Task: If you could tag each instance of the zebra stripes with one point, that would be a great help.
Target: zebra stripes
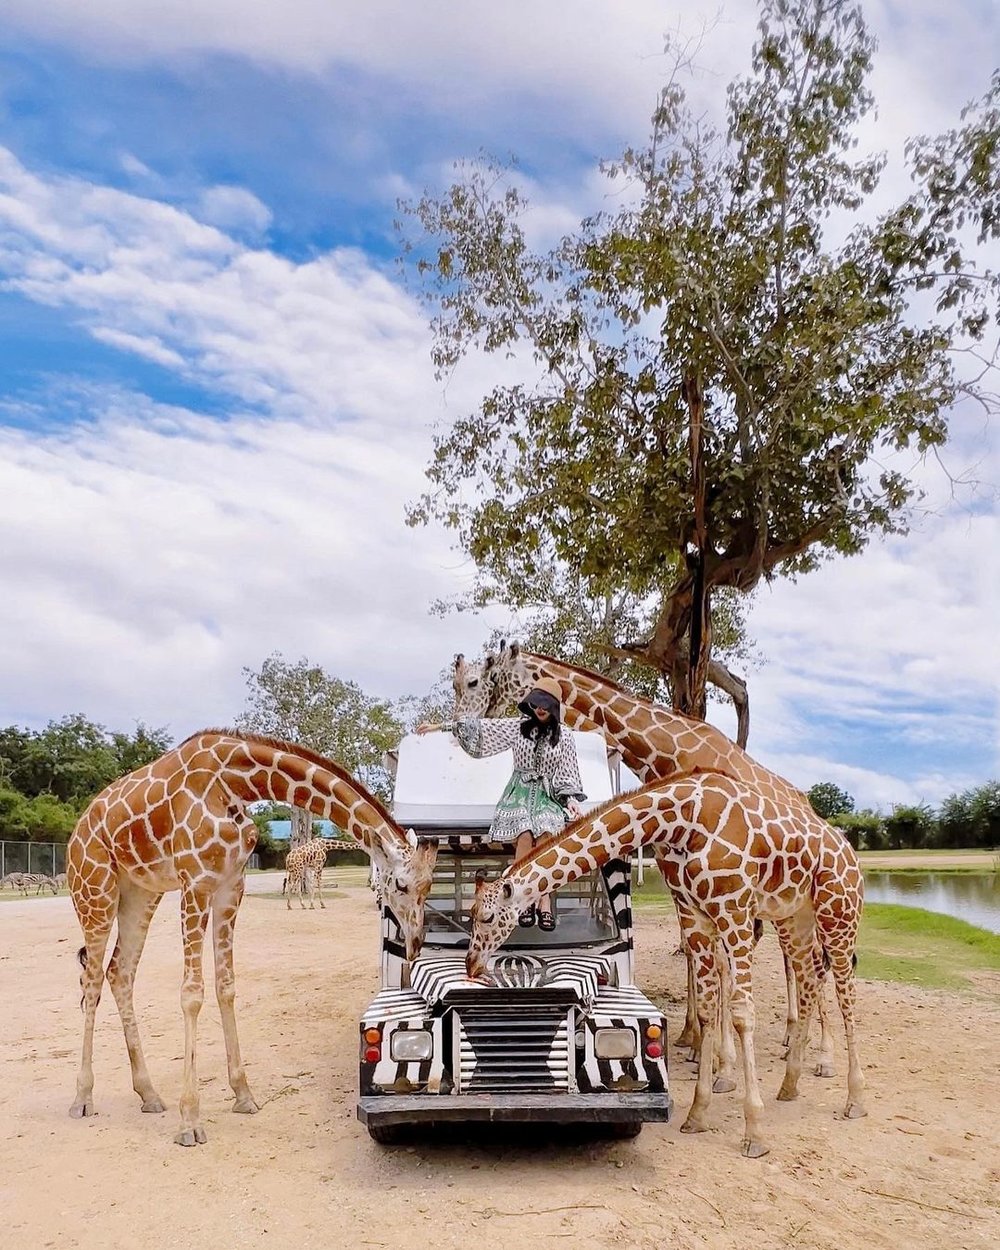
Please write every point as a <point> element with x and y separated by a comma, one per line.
<point>25,881</point>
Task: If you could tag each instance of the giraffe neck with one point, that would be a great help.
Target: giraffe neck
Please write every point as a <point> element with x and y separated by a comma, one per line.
<point>654,741</point>
<point>641,819</point>
<point>257,768</point>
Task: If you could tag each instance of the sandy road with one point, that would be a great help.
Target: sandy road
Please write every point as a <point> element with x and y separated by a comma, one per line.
<point>923,1170</point>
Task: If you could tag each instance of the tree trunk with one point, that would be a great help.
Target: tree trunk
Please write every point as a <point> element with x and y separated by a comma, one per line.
<point>301,827</point>
<point>693,693</point>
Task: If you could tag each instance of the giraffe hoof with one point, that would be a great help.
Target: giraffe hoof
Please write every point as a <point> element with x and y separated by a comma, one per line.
<point>854,1111</point>
<point>723,1085</point>
<point>752,1149</point>
<point>191,1137</point>
<point>694,1126</point>
<point>81,1109</point>
<point>824,1069</point>
<point>153,1105</point>
<point>788,1093</point>
<point>245,1106</point>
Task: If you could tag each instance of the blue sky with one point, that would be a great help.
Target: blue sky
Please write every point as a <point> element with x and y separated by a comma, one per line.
<point>216,397</point>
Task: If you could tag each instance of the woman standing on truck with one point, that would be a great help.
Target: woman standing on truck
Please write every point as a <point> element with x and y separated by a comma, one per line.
<point>544,789</point>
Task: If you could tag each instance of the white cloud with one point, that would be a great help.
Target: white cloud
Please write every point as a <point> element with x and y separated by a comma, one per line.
<point>150,552</point>
<point>233,208</point>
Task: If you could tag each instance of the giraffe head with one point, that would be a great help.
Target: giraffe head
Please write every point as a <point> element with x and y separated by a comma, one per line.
<point>508,676</point>
<point>472,692</point>
<point>405,871</point>
<point>494,912</point>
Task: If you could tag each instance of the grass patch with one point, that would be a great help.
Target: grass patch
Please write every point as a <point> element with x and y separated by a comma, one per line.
<point>923,948</point>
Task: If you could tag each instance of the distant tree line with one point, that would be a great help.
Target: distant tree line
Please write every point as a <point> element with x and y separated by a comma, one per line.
<point>48,776</point>
<point>968,820</point>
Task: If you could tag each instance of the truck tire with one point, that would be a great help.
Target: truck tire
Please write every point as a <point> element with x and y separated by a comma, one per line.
<point>387,1134</point>
<point>624,1130</point>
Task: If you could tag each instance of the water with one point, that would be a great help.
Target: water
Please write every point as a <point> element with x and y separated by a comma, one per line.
<point>970,896</point>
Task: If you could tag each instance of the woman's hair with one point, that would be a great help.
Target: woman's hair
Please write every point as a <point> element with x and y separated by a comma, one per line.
<point>531,726</point>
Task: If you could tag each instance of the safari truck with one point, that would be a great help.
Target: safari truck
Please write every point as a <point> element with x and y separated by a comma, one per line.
<point>561,1034</point>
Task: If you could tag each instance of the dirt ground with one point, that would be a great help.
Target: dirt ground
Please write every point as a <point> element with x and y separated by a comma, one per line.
<point>923,1170</point>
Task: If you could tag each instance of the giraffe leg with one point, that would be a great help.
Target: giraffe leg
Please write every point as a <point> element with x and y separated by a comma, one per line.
<point>725,1075</point>
<point>225,907</point>
<point>689,1037</point>
<point>792,998</point>
<point>135,911</point>
<point>738,942</point>
<point>825,1064</point>
<point>91,980</point>
<point>319,883</point>
<point>842,965</point>
<point>96,912</point>
<point>195,906</point>
<point>701,944</point>
<point>798,937</point>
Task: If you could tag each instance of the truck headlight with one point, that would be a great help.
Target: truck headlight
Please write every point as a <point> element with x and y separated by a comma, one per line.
<point>411,1044</point>
<point>614,1044</point>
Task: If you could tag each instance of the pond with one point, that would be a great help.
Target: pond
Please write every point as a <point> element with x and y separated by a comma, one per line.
<point>970,896</point>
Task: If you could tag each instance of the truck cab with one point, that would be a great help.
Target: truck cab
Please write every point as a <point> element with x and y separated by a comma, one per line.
<point>561,1033</point>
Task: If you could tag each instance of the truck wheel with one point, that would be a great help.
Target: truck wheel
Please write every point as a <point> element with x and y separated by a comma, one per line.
<point>387,1134</point>
<point>625,1130</point>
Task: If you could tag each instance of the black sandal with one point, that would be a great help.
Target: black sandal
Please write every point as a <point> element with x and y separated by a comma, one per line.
<point>527,918</point>
<point>546,921</point>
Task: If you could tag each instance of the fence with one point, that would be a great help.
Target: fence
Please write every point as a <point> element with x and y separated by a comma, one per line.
<point>47,857</point>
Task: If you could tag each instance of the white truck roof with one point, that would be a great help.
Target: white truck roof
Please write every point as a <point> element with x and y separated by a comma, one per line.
<point>437,784</point>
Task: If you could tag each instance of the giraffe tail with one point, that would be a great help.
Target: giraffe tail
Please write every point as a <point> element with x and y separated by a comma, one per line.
<point>81,959</point>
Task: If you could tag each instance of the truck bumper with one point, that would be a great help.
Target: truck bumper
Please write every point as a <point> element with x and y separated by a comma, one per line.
<point>510,1108</point>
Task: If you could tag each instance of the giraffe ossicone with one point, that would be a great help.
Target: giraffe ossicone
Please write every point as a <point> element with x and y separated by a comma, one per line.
<point>180,823</point>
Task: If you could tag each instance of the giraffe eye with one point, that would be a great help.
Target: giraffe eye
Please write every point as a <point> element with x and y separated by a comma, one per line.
<point>403,889</point>
<point>473,684</point>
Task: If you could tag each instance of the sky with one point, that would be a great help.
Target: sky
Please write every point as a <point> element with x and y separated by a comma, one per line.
<point>216,393</point>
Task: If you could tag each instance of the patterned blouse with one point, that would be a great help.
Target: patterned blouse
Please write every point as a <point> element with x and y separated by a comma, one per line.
<point>556,766</point>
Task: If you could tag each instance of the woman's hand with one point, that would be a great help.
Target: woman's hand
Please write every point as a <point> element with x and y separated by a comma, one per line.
<point>574,809</point>
<point>427,728</point>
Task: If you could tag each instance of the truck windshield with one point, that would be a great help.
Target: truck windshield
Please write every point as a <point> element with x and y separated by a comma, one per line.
<point>583,910</point>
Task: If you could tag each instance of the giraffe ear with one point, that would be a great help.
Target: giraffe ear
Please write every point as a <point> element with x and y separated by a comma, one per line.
<point>515,650</point>
<point>491,659</point>
<point>459,661</point>
<point>411,838</point>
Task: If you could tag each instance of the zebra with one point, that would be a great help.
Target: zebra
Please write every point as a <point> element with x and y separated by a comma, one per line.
<point>23,881</point>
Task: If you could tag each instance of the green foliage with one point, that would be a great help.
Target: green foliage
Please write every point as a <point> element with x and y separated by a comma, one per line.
<point>828,800</point>
<point>301,703</point>
<point>971,818</point>
<point>864,830</point>
<point>719,278</point>
<point>50,775</point>
<point>911,826</point>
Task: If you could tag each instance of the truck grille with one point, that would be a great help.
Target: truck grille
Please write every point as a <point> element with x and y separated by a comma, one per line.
<point>513,1047</point>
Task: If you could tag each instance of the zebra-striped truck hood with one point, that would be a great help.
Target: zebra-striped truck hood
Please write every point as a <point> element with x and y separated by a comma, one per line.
<point>580,976</point>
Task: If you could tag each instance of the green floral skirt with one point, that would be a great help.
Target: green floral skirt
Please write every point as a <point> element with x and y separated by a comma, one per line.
<point>526,804</point>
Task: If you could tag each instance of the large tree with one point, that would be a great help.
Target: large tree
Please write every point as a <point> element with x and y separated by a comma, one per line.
<point>300,702</point>
<point>723,368</point>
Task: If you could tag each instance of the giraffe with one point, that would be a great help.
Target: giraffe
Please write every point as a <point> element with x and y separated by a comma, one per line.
<point>656,742</point>
<point>180,823</point>
<point>304,865</point>
<point>730,854</point>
